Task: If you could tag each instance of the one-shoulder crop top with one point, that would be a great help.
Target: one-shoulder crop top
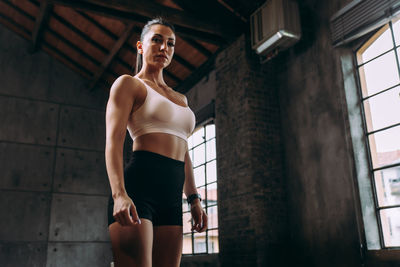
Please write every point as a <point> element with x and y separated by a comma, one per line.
<point>158,114</point>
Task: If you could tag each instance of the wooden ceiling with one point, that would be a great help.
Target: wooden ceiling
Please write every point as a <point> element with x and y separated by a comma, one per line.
<point>96,38</point>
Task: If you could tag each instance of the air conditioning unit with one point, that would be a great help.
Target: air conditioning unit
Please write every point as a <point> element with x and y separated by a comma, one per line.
<point>275,26</point>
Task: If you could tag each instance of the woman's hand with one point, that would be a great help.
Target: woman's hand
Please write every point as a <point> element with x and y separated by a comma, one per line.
<point>199,216</point>
<point>125,211</point>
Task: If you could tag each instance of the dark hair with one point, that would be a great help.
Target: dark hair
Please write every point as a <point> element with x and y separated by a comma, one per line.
<point>145,30</point>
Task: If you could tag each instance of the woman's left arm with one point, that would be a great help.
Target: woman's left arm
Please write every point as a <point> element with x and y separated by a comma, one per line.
<point>198,214</point>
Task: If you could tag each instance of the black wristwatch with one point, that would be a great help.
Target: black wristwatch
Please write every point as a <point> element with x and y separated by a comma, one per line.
<point>192,197</point>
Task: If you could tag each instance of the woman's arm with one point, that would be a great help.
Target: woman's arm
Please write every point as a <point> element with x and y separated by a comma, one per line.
<point>199,216</point>
<point>118,109</point>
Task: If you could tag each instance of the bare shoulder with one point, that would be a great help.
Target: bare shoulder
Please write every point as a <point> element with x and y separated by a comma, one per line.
<point>126,86</point>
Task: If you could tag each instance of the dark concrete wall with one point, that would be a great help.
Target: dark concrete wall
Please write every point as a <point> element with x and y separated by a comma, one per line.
<point>318,157</point>
<point>53,183</point>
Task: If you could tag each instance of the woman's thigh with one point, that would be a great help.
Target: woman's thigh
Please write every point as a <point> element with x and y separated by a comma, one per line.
<point>132,245</point>
<point>167,246</point>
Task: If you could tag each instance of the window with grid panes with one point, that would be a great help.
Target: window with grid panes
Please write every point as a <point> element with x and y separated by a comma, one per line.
<point>202,151</point>
<point>379,71</point>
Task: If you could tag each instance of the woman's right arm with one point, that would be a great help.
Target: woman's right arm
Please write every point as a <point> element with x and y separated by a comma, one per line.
<point>119,107</point>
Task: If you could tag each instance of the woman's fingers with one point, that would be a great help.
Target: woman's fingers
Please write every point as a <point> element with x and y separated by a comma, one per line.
<point>205,222</point>
<point>135,218</point>
<point>127,217</point>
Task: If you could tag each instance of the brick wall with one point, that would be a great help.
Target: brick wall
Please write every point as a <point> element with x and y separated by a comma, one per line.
<point>251,188</point>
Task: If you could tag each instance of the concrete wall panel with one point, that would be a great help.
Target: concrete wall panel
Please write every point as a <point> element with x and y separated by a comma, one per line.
<point>78,218</point>
<point>41,77</point>
<point>26,167</point>
<point>79,254</point>
<point>23,254</point>
<point>20,120</point>
<point>25,216</point>
<point>67,87</point>
<point>81,172</point>
<point>82,128</point>
<point>22,73</point>
<point>203,92</point>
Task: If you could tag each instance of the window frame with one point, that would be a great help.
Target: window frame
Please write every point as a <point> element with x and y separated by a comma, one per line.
<point>366,133</point>
<point>205,202</point>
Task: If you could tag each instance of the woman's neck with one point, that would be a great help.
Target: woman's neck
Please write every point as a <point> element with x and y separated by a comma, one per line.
<point>155,76</point>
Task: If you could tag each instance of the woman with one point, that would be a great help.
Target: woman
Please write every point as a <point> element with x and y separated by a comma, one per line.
<point>145,209</point>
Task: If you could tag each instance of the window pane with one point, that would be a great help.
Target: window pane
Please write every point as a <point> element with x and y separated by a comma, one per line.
<point>212,194</point>
<point>185,206</point>
<point>190,142</point>
<point>202,192</point>
<point>187,222</point>
<point>396,31</point>
<point>382,44</point>
<point>199,175</point>
<point>379,74</point>
<point>212,213</point>
<point>199,155</point>
<point>390,219</point>
<point>387,183</point>
<point>211,150</point>
<point>187,244</point>
<point>191,155</point>
<point>210,131</point>
<point>211,168</point>
<point>383,144</point>
<point>383,110</point>
<point>198,136</point>
<point>200,243</point>
<point>213,246</point>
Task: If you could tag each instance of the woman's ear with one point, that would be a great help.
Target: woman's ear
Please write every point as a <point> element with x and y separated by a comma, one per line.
<point>139,47</point>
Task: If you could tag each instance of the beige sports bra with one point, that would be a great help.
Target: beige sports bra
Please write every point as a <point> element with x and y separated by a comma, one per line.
<point>158,114</point>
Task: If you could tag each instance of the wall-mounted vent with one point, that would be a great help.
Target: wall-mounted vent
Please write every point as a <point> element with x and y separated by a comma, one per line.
<point>275,25</point>
<point>360,17</point>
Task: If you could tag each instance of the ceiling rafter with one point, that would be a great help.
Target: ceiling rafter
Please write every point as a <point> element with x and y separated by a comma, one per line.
<point>40,25</point>
<point>150,9</point>
<point>117,46</point>
<point>127,11</point>
<point>126,45</point>
<point>199,73</point>
<point>198,47</point>
<point>216,12</point>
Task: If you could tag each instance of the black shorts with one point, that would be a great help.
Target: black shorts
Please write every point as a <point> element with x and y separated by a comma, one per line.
<point>154,183</point>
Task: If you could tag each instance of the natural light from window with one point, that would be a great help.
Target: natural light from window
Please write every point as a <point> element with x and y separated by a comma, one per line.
<point>202,151</point>
<point>379,72</point>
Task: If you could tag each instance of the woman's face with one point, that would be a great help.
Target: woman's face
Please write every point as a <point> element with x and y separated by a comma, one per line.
<point>158,46</point>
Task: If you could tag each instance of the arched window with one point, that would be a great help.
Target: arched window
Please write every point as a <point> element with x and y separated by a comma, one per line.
<point>202,151</point>
<point>379,76</point>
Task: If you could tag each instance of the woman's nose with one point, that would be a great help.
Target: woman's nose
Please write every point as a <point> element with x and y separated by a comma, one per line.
<point>164,46</point>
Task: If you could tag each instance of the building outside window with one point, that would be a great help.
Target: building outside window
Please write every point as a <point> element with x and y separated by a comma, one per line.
<point>202,151</point>
<point>379,76</point>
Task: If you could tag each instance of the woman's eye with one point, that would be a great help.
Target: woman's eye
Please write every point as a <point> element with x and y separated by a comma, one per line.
<point>156,39</point>
<point>171,44</point>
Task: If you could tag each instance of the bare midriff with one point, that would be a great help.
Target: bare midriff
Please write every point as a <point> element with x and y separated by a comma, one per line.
<point>161,143</point>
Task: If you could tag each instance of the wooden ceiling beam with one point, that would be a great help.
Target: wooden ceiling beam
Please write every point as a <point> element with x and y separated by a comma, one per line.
<point>151,9</point>
<point>141,11</point>
<point>198,74</point>
<point>198,47</point>
<point>40,24</point>
<point>216,13</point>
<point>117,46</point>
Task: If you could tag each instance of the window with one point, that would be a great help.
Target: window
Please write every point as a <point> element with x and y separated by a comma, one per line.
<point>202,151</point>
<point>379,75</point>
